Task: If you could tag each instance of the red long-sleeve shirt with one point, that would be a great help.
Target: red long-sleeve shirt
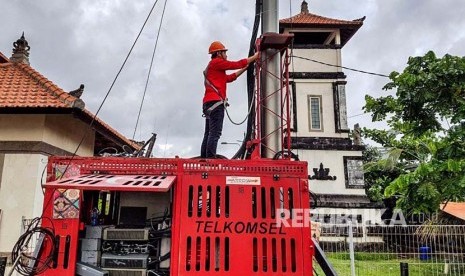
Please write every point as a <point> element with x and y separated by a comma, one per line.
<point>216,75</point>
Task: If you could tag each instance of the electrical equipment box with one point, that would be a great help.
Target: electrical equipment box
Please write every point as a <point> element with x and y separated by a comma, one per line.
<point>83,269</point>
<point>126,271</point>
<point>124,261</point>
<point>90,244</point>
<point>202,217</point>
<point>113,234</point>
<point>91,257</point>
<point>94,232</point>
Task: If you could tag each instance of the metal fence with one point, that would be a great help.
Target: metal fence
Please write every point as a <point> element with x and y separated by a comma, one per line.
<point>394,250</point>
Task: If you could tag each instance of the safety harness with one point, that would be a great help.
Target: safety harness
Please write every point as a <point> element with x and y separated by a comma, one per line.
<point>224,101</point>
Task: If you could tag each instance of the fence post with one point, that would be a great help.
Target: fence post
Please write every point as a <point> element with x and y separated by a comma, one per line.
<point>2,265</point>
<point>351,249</point>
<point>403,269</point>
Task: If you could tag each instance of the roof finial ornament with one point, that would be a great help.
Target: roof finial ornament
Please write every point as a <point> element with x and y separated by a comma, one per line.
<point>78,92</point>
<point>304,7</point>
<point>21,51</point>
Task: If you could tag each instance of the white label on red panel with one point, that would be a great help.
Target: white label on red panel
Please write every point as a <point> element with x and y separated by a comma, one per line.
<point>242,180</point>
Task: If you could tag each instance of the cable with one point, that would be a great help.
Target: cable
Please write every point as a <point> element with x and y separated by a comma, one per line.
<point>248,113</point>
<point>159,272</point>
<point>338,66</point>
<point>106,96</point>
<point>356,115</point>
<point>102,151</point>
<point>246,117</point>
<point>42,186</point>
<point>161,258</point>
<point>27,264</point>
<point>293,69</point>
<point>283,153</point>
<point>241,152</point>
<point>150,69</point>
<point>111,87</point>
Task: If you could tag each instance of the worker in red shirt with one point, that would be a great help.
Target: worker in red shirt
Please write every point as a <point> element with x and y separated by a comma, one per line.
<point>214,100</point>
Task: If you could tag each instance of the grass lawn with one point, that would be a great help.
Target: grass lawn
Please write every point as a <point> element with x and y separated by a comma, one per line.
<point>381,264</point>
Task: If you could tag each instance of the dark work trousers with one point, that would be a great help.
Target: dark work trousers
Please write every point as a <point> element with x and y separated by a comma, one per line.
<point>213,128</point>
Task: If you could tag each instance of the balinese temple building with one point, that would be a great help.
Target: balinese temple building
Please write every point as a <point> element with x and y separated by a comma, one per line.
<point>320,131</point>
<point>39,119</point>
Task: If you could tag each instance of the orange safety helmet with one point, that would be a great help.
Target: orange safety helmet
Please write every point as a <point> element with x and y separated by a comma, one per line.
<point>216,46</point>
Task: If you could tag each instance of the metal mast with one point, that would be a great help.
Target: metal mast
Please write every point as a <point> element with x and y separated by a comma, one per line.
<point>271,100</point>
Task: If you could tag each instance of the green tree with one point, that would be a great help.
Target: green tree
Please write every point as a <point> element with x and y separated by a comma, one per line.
<point>379,171</point>
<point>426,119</point>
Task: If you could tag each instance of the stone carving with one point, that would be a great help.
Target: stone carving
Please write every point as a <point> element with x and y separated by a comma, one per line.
<point>21,51</point>
<point>321,174</point>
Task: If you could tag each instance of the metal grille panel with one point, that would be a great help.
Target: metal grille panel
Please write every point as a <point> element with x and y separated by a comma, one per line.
<point>127,272</point>
<point>147,183</point>
<point>159,166</point>
<point>126,234</point>
<point>232,229</point>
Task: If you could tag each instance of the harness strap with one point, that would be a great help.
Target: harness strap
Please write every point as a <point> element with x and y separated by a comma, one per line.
<point>208,83</point>
<point>222,102</point>
<point>211,108</point>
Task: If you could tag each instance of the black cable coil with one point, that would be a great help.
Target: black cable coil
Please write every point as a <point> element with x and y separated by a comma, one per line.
<point>38,261</point>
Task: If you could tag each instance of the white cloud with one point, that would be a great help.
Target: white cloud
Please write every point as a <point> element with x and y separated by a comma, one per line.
<point>87,41</point>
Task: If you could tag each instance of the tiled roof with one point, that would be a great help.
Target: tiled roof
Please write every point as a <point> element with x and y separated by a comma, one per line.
<point>23,88</point>
<point>456,209</point>
<point>310,18</point>
<point>305,19</point>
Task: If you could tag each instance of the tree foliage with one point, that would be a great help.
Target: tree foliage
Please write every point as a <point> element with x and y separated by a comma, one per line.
<point>425,165</point>
<point>379,171</point>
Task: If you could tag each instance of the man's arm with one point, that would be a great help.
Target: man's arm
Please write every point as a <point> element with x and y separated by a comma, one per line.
<point>232,77</point>
<point>252,58</point>
<point>239,72</point>
<point>235,75</point>
<point>249,60</point>
<point>231,65</point>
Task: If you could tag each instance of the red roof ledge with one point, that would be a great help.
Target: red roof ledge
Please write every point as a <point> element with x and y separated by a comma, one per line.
<point>305,19</point>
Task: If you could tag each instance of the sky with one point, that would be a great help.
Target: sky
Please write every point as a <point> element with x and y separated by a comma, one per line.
<point>86,42</point>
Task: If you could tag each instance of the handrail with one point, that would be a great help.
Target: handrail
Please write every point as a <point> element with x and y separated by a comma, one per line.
<point>324,263</point>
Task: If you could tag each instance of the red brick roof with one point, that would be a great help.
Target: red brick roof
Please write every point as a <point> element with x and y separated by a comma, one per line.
<point>310,18</point>
<point>456,209</point>
<point>305,19</point>
<point>23,88</point>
